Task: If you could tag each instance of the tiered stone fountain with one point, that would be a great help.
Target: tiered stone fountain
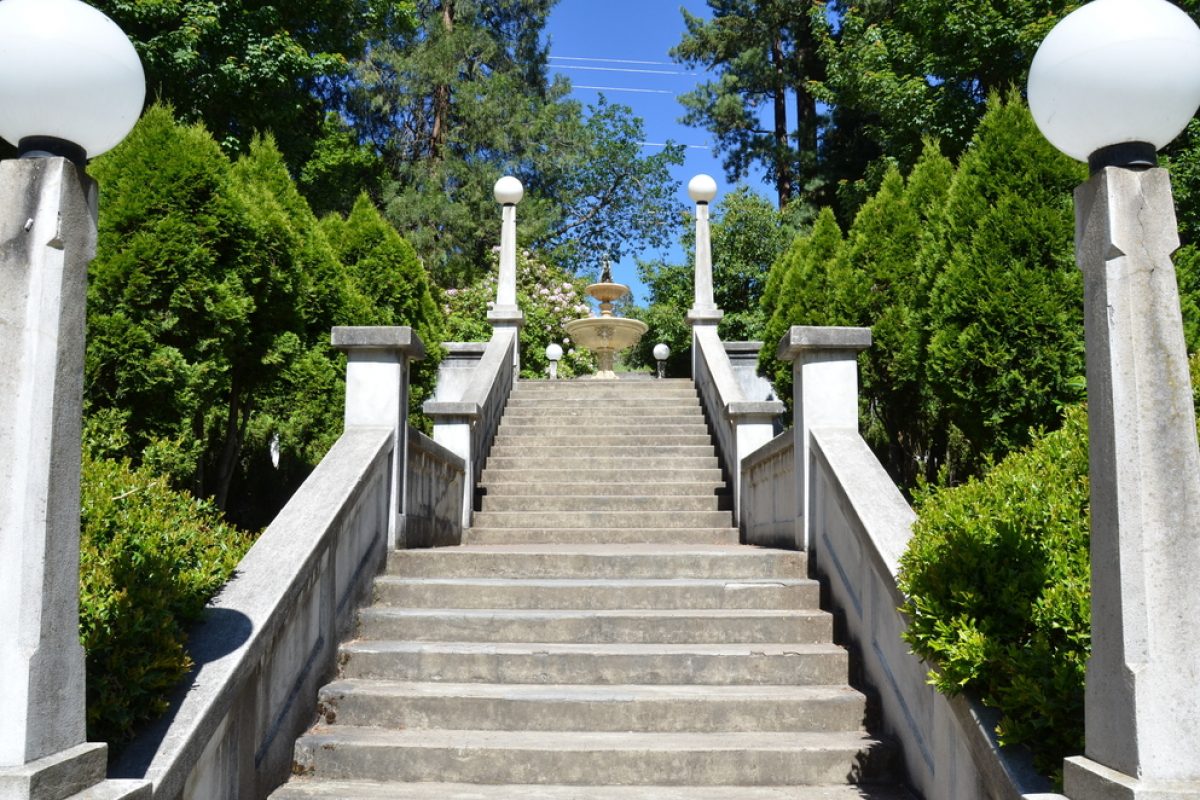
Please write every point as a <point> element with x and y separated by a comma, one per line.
<point>606,335</point>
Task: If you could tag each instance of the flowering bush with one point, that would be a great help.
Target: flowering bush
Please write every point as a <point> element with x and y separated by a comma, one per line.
<point>549,298</point>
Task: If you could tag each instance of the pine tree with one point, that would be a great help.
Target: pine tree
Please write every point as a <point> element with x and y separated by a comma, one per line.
<point>1005,307</point>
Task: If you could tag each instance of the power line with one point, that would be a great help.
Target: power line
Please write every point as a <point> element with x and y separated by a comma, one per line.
<point>614,61</point>
<point>623,69</point>
<point>645,91</point>
<point>688,146</point>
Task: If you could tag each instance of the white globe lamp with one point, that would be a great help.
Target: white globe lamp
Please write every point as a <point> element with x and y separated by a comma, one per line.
<point>1116,80</point>
<point>702,188</point>
<point>661,354</point>
<point>71,83</point>
<point>554,353</point>
<point>508,191</point>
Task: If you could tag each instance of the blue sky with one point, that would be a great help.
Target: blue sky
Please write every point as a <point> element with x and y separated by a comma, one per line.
<point>622,46</point>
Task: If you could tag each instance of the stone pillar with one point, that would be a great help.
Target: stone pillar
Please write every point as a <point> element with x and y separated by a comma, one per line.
<point>1143,682</point>
<point>824,393</point>
<point>47,238</point>
<point>505,313</point>
<point>377,374</point>
<point>704,312</point>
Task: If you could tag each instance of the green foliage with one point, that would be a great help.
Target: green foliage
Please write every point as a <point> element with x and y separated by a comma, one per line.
<point>1005,308</point>
<point>383,270</point>
<point>150,559</point>
<point>998,586</point>
<point>211,300</point>
<point>549,298</point>
<point>805,295</point>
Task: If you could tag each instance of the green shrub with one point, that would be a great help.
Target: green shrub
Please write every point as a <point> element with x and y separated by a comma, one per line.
<point>998,585</point>
<point>150,558</point>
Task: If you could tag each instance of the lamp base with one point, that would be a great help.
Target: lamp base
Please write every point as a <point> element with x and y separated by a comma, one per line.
<point>51,147</point>
<point>1131,155</point>
<point>1084,778</point>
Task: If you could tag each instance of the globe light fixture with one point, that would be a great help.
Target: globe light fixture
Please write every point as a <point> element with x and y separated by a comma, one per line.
<point>661,354</point>
<point>1116,80</point>
<point>702,188</point>
<point>508,191</point>
<point>71,83</point>
<point>554,353</point>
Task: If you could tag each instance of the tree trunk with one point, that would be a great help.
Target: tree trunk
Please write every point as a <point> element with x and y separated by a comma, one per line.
<point>783,150</point>
<point>235,434</point>
<point>441,94</point>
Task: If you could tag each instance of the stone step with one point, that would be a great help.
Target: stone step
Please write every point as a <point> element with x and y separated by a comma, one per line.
<point>582,474</point>
<point>546,707</point>
<point>601,519</point>
<point>507,488</point>
<point>601,393</point>
<point>696,626</point>
<point>787,664</point>
<point>631,454</point>
<point>612,593</point>
<point>579,438</point>
<point>606,404</point>
<point>574,502</point>
<point>646,419</point>
<point>303,789</point>
<point>623,428</point>
<point>566,464</point>
<point>601,536</point>
<point>628,562</point>
<point>517,757</point>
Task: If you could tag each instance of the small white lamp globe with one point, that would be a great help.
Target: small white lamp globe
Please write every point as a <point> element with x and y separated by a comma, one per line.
<point>554,352</point>
<point>508,191</point>
<point>702,188</point>
<point>1115,72</point>
<point>661,352</point>
<point>67,73</point>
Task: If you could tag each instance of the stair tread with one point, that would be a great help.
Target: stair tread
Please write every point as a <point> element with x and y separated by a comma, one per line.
<point>599,583</point>
<point>595,693</point>
<point>583,741</point>
<point>373,790</point>
<point>597,648</point>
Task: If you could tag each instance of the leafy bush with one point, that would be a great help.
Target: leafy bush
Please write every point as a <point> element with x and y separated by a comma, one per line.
<point>998,585</point>
<point>150,559</point>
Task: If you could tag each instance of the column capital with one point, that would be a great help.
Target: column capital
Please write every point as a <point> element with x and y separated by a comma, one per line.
<point>399,338</point>
<point>804,339</point>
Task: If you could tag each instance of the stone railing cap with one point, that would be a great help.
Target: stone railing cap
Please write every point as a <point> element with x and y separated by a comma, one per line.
<point>705,316</point>
<point>806,339</point>
<point>511,316</point>
<point>765,408</point>
<point>743,347</point>
<point>464,348</point>
<point>450,408</point>
<point>379,337</point>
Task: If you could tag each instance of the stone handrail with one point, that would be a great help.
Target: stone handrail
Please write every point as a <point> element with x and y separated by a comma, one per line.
<point>769,493</point>
<point>466,423</point>
<point>856,525</point>
<point>435,486</point>
<point>270,639</point>
<point>739,425</point>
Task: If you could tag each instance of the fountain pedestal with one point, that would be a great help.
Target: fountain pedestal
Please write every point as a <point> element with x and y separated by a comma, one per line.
<point>606,335</point>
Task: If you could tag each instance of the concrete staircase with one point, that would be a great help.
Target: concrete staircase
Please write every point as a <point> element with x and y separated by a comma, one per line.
<point>601,635</point>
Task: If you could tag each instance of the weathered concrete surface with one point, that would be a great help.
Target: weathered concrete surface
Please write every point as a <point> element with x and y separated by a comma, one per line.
<point>47,238</point>
<point>1143,702</point>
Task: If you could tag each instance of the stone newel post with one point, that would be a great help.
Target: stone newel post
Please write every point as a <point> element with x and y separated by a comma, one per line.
<point>704,312</point>
<point>1143,683</point>
<point>825,395</point>
<point>377,376</point>
<point>505,313</point>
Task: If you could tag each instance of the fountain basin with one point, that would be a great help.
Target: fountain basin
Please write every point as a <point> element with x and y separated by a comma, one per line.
<point>604,336</point>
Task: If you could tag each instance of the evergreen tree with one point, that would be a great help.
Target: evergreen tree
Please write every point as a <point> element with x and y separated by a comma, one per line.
<point>805,297</point>
<point>1006,350</point>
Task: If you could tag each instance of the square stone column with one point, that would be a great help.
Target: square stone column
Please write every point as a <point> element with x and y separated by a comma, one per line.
<point>1142,704</point>
<point>824,392</point>
<point>47,239</point>
<point>377,374</point>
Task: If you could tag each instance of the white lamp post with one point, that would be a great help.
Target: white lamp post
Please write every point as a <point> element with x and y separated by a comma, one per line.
<point>508,191</point>
<point>661,354</point>
<point>554,353</point>
<point>71,86</point>
<point>1113,82</point>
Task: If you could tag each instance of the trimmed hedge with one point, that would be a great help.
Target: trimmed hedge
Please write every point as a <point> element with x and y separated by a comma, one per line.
<point>150,559</point>
<point>998,582</point>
